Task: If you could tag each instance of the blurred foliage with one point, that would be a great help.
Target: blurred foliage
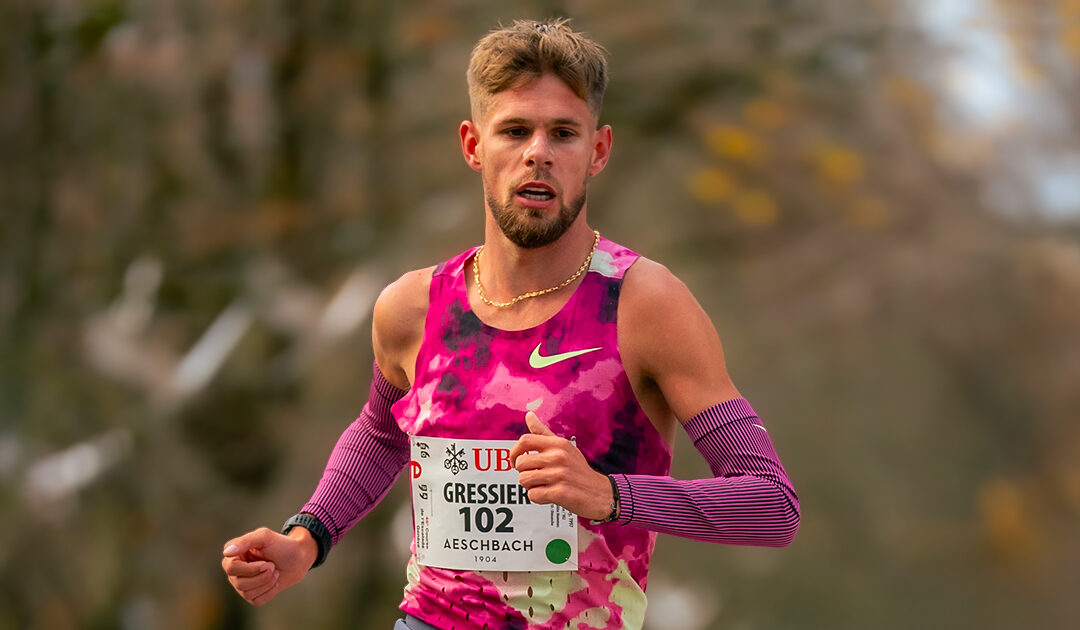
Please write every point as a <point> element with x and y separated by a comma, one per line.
<point>877,202</point>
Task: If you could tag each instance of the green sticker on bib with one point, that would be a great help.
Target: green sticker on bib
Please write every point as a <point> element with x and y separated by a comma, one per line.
<point>558,551</point>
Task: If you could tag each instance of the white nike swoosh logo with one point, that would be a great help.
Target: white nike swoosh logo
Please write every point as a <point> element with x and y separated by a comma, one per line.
<point>537,361</point>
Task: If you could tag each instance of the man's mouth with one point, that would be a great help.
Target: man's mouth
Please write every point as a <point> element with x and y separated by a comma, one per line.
<point>536,192</point>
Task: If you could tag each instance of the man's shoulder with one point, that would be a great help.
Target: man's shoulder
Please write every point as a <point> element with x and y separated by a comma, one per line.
<point>401,309</point>
<point>654,300</point>
<point>652,286</point>
<point>408,290</point>
<point>406,295</point>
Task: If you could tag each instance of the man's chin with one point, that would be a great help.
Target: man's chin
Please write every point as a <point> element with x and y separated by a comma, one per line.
<point>531,234</point>
<point>531,228</point>
<point>533,221</point>
<point>530,213</point>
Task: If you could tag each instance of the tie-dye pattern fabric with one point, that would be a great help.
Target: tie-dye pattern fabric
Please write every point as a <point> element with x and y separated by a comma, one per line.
<point>474,381</point>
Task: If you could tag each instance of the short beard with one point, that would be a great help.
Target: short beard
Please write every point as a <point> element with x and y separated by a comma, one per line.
<point>527,234</point>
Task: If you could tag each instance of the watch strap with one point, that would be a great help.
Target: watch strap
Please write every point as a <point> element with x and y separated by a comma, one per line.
<point>319,532</point>
<point>614,504</point>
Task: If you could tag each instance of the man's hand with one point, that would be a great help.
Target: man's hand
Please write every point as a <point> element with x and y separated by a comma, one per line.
<point>262,563</point>
<point>553,470</point>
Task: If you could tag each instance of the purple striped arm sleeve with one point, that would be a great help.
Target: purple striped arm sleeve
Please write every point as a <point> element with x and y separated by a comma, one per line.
<point>750,501</point>
<point>365,462</point>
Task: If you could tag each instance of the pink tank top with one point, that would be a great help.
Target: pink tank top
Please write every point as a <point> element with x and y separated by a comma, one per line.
<point>474,381</point>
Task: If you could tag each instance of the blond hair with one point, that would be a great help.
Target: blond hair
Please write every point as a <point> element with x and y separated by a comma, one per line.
<point>528,49</point>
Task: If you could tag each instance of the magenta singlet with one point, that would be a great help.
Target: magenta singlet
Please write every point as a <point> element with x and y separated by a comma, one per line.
<point>474,381</point>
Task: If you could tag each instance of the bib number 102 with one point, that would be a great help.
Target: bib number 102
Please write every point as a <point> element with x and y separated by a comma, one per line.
<point>484,519</point>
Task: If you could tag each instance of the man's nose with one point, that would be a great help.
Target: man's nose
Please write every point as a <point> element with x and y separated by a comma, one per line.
<point>539,152</point>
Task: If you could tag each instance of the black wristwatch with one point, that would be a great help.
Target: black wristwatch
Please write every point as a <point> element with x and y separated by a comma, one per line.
<point>323,539</point>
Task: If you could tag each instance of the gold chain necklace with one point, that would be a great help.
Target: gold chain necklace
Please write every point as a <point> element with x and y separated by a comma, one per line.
<point>530,294</point>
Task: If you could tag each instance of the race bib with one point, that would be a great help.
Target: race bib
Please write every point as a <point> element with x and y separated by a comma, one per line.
<point>471,513</point>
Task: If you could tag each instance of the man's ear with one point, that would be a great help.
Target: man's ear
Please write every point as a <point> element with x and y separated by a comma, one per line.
<point>470,144</point>
<point>601,150</point>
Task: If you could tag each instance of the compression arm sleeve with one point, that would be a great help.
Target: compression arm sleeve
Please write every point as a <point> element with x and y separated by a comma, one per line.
<point>750,501</point>
<point>364,464</point>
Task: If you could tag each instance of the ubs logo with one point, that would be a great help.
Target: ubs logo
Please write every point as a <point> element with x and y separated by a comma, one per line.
<point>488,458</point>
<point>455,460</point>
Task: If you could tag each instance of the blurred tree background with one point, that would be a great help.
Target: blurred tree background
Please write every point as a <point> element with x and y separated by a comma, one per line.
<point>878,203</point>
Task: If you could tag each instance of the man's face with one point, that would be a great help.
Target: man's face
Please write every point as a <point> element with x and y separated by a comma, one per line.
<point>535,148</point>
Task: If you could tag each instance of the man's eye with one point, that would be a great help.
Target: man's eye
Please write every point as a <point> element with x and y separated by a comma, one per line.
<point>564,133</point>
<point>516,132</point>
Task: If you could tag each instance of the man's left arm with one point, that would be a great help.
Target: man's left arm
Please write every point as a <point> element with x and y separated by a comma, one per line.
<point>672,351</point>
<point>669,343</point>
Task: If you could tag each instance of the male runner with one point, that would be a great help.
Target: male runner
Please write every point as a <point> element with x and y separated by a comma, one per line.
<point>550,350</point>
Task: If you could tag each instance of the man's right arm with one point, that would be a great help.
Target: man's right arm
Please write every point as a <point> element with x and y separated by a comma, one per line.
<point>372,451</point>
<point>364,463</point>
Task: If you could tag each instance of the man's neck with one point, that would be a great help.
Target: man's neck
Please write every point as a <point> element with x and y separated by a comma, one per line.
<point>507,270</point>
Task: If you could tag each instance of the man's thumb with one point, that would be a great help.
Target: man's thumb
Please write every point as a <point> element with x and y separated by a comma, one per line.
<point>247,542</point>
<point>536,425</point>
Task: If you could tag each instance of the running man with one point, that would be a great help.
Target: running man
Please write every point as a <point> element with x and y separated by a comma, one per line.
<point>549,354</point>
